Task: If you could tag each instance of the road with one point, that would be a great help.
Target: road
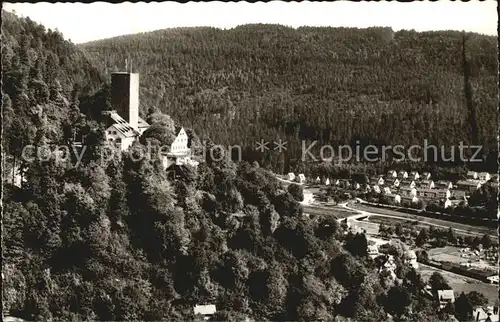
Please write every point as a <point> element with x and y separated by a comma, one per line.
<point>361,210</point>
<point>346,210</point>
<point>462,228</point>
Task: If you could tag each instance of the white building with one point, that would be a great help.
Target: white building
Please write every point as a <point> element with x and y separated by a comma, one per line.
<point>373,251</point>
<point>327,182</point>
<point>483,176</point>
<point>387,190</point>
<point>411,259</point>
<point>445,297</point>
<point>205,310</point>
<point>493,279</point>
<point>403,174</point>
<point>425,176</point>
<point>408,191</point>
<point>427,184</point>
<point>397,199</point>
<point>179,152</point>
<point>301,178</point>
<point>472,175</point>
<point>392,174</point>
<point>291,176</point>
<point>414,175</point>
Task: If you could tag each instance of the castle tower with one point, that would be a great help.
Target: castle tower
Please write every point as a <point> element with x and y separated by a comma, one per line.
<point>125,96</point>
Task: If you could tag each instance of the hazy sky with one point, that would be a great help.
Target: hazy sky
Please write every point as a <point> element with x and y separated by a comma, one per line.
<point>85,22</point>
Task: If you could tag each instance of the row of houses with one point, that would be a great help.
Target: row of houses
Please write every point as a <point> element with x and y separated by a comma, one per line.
<point>414,175</point>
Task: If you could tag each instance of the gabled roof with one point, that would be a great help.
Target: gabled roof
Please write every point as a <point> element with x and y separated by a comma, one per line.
<point>142,123</point>
<point>468,183</point>
<point>121,125</point>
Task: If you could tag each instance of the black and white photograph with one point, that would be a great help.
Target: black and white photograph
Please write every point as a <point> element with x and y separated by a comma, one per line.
<point>247,162</point>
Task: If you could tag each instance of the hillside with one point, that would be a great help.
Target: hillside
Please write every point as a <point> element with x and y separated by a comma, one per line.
<point>335,85</point>
<point>44,77</point>
<point>121,240</point>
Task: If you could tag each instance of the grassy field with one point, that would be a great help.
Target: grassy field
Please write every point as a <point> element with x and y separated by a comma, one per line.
<point>461,283</point>
<point>452,254</point>
<point>328,211</point>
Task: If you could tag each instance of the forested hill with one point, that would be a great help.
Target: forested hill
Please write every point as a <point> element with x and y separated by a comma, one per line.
<point>336,85</point>
<point>122,240</point>
<point>43,78</point>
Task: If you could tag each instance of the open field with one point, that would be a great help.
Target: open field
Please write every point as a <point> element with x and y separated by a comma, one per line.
<point>452,254</point>
<point>461,283</point>
<point>329,211</point>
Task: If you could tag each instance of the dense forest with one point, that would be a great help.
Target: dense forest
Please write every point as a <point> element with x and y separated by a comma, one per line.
<point>121,240</point>
<point>334,85</point>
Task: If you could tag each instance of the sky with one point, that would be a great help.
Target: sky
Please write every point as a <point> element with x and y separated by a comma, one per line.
<point>86,22</point>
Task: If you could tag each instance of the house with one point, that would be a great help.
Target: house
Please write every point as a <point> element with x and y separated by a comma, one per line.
<point>459,194</point>
<point>448,203</point>
<point>376,188</point>
<point>387,190</point>
<point>443,184</point>
<point>411,259</point>
<point>397,199</point>
<point>373,251</point>
<point>119,132</point>
<point>380,181</point>
<point>327,182</point>
<point>407,191</point>
<point>469,186</point>
<point>318,180</point>
<point>301,178</point>
<point>392,182</point>
<point>445,297</point>
<point>483,176</point>
<point>392,174</point>
<point>178,152</point>
<point>407,183</point>
<point>425,176</point>
<point>427,184</point>
<point>357,186</point>
<point>414,175</point>
<point>390,264</point>
<point>472,175</point>
<point>291,176</point>
<point>205,310</point>
<point>410,199</point>
<point>123,123</point>
<point>493,279</point>
<point>488,314</point>
<point>337,182</point>
<point>403,175</point>
<point>389,181</point>
<point>434,193</point>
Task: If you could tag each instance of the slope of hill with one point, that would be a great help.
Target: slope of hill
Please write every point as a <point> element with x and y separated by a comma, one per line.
<point>335,85</point>
<point>43,78</point>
